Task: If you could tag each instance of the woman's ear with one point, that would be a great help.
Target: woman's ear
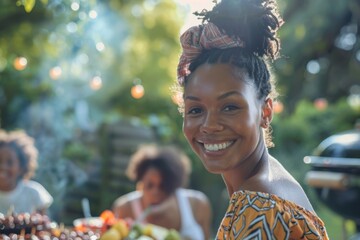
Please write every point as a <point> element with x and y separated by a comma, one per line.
<point>267,113</point>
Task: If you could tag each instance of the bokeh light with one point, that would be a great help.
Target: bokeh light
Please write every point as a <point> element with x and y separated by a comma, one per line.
<point>55,72</point>
<point>93,14</point>
<point>313,67</point>
<point>20,63</point>
<point>321,103</point>
<point>137,91</point>
<point>96,83</point>
<point>75,6</point>
<point>100,46</point>
<point>71,27</point>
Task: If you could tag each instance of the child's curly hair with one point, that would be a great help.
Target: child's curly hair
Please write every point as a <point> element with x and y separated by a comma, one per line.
<point>24,147</point>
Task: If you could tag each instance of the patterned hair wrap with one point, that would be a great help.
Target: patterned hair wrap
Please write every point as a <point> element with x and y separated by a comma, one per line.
<point>198,38</point>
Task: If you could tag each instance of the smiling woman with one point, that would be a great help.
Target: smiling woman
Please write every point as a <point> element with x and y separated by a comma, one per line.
<point>228,95</point>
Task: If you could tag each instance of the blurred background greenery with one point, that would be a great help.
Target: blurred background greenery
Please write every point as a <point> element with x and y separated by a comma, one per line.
<point>90,80</point>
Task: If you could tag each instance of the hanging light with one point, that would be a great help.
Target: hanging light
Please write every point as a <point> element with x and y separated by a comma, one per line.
<point>137,91</point>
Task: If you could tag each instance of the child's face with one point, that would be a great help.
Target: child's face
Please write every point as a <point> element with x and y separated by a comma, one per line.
<point>151,186</point>
<point>10,169</point>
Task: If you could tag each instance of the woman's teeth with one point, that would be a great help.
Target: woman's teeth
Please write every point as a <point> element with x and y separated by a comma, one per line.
<point>217,147</point>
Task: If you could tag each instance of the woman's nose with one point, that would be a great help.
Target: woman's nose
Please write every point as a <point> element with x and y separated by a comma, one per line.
<point>211,123</point>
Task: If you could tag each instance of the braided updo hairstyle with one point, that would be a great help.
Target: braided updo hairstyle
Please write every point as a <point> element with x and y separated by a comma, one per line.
<point>255,22</point>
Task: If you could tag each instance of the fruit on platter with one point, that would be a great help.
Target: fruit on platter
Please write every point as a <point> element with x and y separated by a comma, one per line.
<point>122,227</point>
<point>111,234</point>
<point>119,230</point>
<point>172,235</point>
<point>150,231</point>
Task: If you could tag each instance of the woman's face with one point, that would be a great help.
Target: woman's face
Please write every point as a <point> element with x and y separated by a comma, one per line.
<point>151,185</point>
<point>10,169</point>
<point>222,116</point>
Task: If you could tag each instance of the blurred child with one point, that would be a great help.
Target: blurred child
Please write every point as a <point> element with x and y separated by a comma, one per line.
<point>18,162</point>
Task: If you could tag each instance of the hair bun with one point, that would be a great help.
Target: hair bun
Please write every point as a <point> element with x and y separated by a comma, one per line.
<point>255,22</point>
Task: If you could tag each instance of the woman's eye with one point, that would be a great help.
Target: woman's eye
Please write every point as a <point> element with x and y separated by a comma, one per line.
<point>230,108</point>
<point>194,111</point>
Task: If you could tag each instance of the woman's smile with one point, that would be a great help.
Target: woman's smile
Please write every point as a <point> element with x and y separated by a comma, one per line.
<point>215,146</point>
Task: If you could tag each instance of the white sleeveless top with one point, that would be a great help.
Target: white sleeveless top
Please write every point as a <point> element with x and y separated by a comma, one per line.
<point>190,229</point>
<point>28,196</point>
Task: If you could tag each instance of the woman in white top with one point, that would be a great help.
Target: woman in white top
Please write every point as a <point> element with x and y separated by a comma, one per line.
<point>160,172</point>
<point>18,162</point>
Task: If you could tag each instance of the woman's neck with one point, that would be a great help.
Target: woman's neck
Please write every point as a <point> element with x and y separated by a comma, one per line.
<point>248,173</point>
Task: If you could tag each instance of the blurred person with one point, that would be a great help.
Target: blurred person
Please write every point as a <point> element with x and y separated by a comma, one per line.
<point>228,93</point>
<point>160,172</point>
<point>18,162</point>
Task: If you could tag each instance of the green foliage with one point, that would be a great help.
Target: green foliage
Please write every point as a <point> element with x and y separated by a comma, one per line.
<point>308,126</point>
<point>77,152</point>
<point>309,34</point>
<point>297,135</point>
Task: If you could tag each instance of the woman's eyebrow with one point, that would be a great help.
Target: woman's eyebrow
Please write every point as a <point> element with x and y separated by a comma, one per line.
<point>225,95</point>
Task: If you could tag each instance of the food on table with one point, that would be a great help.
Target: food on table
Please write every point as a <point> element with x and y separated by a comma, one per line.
<point>25,226</point>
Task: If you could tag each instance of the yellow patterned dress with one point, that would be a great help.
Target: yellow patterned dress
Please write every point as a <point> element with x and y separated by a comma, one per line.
<point>255,215</point>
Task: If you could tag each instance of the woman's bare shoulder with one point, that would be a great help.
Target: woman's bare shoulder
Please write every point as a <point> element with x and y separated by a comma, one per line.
<point>122,206</point>
<point>287,187</point>
<point>125,200</point>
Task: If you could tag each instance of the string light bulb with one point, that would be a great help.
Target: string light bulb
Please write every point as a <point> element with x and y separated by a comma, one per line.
<point>137,91</point>
<point>20,63</point>
<point>55,72</point>
<point>96,83</point>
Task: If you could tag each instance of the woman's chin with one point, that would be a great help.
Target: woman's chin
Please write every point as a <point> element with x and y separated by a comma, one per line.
<point>213,168</point>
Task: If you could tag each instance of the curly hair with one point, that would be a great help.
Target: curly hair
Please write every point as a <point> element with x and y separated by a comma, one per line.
<point>24,147</point>
<point>255,22</point>
<point>173,165</point>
